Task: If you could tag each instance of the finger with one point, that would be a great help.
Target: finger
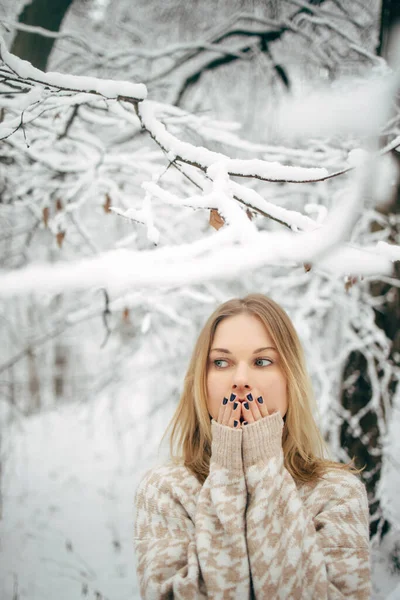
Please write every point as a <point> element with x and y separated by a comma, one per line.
<point>258,408</point>
<point>247,412</point>
<point>222,410</point>
<point>253,413</point>
<point>243,415</point>
<point>235,417</point>
<point>228,407</point>
<point>262,406</point>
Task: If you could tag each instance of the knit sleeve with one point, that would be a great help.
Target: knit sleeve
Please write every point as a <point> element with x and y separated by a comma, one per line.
<point>202,557</point>
<point>298,550</point>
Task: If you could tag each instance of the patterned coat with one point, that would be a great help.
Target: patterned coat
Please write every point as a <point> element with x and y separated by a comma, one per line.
<point>250,531</point>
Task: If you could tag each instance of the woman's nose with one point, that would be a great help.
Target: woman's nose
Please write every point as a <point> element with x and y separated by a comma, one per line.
<point>241,378</point>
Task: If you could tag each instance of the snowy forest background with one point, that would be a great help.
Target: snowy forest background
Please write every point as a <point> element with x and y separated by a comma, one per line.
<point>265,158</point>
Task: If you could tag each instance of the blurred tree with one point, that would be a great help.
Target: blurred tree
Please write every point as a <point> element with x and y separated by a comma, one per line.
<point>36,48</point>
<point>40,13</point>
<point>390,20</point>
<point>357,387</point>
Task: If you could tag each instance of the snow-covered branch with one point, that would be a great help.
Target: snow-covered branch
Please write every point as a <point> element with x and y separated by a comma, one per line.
<point>204,158</point>
<point>116,104</point>
<point>71,83</point>
<point>218,257</point>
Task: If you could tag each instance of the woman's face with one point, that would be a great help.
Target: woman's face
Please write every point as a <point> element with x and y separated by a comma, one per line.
<point>243,359</point>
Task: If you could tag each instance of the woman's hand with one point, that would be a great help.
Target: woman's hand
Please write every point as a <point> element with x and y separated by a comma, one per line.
<point>229,411</point>
<point>235,413</point>
<point>254,408</point>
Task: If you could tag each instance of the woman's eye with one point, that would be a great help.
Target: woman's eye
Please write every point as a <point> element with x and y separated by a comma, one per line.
<point>218,361</point>
<point>266,362</point>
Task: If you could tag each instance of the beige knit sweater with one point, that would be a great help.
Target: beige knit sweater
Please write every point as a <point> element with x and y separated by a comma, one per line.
<point>250,531</point>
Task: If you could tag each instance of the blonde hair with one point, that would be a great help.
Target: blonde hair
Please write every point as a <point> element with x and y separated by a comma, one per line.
<point>302,441</point>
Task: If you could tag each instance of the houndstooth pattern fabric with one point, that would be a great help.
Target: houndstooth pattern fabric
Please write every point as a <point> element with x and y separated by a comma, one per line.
<point>250,531</point>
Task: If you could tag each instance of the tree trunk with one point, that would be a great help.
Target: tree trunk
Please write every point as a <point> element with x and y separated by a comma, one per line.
<point>32,46</point>
<point>390,18</point>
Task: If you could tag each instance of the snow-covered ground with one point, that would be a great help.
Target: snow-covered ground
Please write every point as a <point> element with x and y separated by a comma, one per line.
<point>69,482</point>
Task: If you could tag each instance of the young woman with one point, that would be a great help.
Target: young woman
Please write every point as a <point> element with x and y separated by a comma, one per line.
<point>249,507</point>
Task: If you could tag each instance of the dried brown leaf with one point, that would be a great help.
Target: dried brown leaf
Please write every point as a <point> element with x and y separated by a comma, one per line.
<point>107,204</point>
<point>350,282</point>
<point>46,215</point>
<point>60,238</point>
<point>216,220</point>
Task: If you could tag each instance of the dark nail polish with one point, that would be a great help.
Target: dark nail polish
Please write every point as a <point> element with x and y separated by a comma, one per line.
<point>225,401</point>
<point>233,396</point>
<point>246,405</point>
<point>260,400</point>
<point>244,423</point>
<point>235,406</point>
<point>249,397</point>
<point>235,423</point>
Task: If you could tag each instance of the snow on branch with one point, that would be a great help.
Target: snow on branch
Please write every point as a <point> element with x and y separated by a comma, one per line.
<point>203,158</point>
<point>392,251</point>
<point>77,83</point>
<point>120,270</point>
<point>81,167</point>
<point>218,257</point>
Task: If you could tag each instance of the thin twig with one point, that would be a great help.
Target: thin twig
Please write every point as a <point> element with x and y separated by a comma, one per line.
<point>72,116</point>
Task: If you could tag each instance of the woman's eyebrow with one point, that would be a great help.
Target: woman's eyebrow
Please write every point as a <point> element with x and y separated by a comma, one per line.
<point>255,351</point>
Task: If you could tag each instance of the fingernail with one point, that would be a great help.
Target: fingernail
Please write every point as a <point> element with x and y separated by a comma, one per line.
<point>249,397</point>
<point>225,401</point>
<point>233,396</point>
<point>235,406</point>
<point>260,400</point>
<point>244,423</point>
<point>246,405</point>
<point>235,423</point>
